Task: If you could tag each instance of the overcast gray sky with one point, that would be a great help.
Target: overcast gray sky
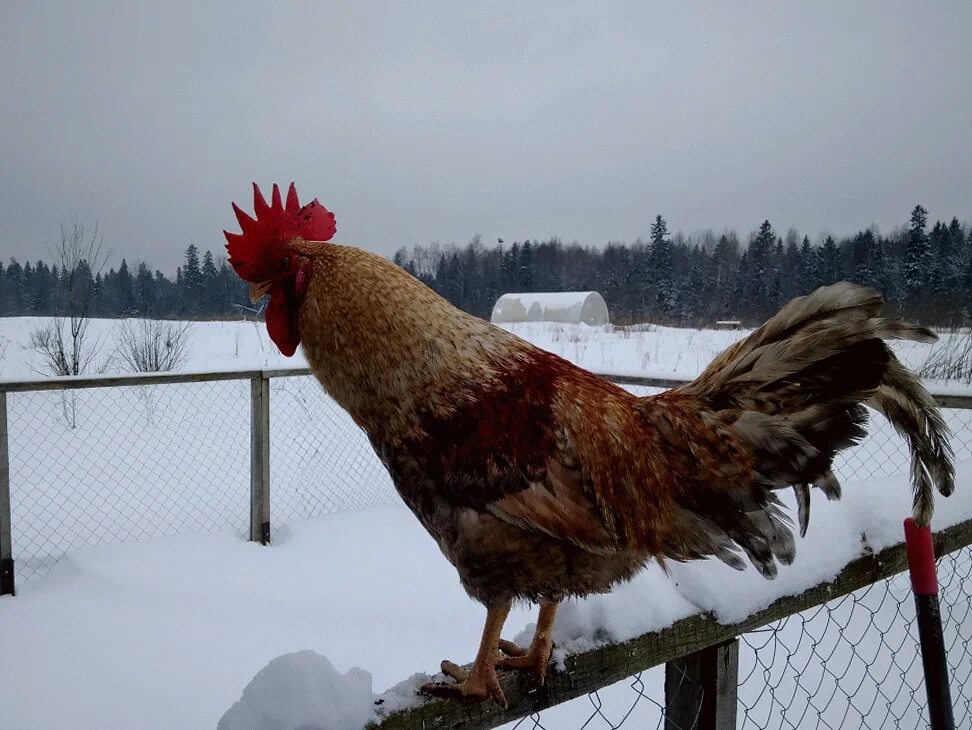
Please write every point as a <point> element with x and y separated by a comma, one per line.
<point>419,122</point>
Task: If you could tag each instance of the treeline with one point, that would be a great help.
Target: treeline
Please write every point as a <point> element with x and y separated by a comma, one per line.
<point>202,289</point>
<point>924,274</point>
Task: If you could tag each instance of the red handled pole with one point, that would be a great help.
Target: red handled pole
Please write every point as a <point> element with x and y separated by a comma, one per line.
<point>924,584</point>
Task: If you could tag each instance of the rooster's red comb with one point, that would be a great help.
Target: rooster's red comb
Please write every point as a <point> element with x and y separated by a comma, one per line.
<point>251,253</point>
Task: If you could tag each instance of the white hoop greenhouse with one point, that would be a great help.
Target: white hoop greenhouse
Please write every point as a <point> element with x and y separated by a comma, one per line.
<point>569,307</point>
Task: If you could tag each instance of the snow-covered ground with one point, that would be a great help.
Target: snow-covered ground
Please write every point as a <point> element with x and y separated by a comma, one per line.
<point>140,605</point>
<point>646,349</point>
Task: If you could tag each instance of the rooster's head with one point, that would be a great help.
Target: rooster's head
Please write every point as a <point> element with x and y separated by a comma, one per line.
<point>269,253</point>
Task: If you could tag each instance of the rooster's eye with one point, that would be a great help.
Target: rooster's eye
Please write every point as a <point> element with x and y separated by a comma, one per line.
<point>284,262</point>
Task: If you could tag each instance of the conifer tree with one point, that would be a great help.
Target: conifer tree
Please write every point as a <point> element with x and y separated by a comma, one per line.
<point>829,261</point>
<point>809,271</point>
<point>191,280</point>
<point>915,270</point>
<point>144,290</point>
<point>662,267</point>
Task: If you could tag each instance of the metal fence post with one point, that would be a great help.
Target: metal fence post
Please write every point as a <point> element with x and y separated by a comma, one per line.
<point>260,459</point>
<point>700,689</point>
<point>7,587</point>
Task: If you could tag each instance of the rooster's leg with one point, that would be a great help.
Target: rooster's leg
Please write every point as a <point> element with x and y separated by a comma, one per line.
<point>480,681</point>
<point>537,657</point>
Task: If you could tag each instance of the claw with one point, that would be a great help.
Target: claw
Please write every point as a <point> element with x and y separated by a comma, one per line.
<point>535,660</point>
<point>476,684</point>
<point>451,669</point>
<point>480,681</point>
<point>445,690</point>
<point>511,649</point>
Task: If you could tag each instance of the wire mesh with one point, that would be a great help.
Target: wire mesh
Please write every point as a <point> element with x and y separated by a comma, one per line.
<point>320,461</point>
<point>633,702</point>
<point>883,453</point>
<point>853,662</point>
<point>112,465</point>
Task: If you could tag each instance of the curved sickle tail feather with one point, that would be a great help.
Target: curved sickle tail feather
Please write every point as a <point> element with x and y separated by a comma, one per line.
<point>792,395</point>
<point>915,416</point>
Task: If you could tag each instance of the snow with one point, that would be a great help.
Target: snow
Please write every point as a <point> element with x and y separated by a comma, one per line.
<point>869,516</point>
<point>183,623</point>
<point>213,346</point>
<point>145,594</point>
<point>658,351</point>
<point>648,603</point>
<point>302,691</point>
<point>652,350</point>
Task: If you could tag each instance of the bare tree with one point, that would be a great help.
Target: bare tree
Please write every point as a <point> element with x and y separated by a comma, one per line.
<point>63,343</point>
<point>152,345</point>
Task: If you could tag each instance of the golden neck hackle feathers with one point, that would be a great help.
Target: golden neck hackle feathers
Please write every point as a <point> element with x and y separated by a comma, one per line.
<point>388,348</point>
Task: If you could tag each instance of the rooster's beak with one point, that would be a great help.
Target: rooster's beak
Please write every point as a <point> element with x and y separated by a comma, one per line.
<point>258,291</point>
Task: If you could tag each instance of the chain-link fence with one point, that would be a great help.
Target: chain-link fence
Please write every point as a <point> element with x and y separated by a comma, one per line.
<point>92,467</point>
<point>117,464</point>
<point>636,702</point>
<point>853,662</point>
<point>320,461</point>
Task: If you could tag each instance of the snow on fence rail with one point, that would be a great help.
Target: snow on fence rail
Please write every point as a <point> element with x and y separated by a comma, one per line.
<point>705,687</point>
<point>87,461</point>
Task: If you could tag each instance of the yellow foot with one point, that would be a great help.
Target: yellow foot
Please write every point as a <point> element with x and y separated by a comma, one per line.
<point>479,683</point>
<point>534,660</point>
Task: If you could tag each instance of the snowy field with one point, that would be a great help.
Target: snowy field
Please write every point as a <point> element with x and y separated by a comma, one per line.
<point>644,349</point>
<point>140,605</point>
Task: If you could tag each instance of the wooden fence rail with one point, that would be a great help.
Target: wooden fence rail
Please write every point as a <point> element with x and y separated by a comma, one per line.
<point>689,640</point>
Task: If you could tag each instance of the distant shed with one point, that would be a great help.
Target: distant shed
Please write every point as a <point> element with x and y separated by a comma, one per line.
<point>569,307</point>
<point>728,324</point>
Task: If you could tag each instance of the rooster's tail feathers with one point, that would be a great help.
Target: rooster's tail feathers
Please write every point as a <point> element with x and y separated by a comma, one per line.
<point>793,393</point>
<point>915,416</point>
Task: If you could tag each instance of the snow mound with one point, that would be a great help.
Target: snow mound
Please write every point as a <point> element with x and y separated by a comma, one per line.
<point>302,691</point>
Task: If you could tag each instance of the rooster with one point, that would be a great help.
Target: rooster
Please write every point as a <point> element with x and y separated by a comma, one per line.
<point>539,480</point>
